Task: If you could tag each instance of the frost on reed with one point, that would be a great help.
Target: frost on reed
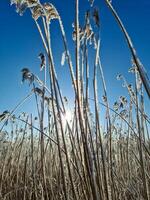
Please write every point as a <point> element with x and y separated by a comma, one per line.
<point>51,156</point>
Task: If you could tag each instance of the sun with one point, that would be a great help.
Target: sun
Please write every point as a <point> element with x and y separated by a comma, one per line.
<point>67,117</point>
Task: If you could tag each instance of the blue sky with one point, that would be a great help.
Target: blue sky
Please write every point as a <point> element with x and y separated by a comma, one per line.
<point>20,45</point>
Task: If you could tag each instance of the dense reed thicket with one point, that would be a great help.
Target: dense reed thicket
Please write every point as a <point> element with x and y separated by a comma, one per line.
<point>73,155</point>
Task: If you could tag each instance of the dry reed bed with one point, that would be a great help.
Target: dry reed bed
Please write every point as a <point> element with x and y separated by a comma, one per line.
<point>82,158</point>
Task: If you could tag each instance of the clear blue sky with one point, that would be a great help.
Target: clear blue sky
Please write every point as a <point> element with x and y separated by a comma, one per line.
<point>20,45</point>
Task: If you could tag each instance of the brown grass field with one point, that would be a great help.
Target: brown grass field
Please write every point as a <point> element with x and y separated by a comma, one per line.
<point>73,155</point>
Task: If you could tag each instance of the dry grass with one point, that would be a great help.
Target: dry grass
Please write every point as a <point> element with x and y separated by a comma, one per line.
<point>53,157</point>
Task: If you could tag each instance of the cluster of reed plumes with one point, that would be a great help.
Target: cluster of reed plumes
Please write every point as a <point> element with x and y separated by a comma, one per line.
<point>53,157</point>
